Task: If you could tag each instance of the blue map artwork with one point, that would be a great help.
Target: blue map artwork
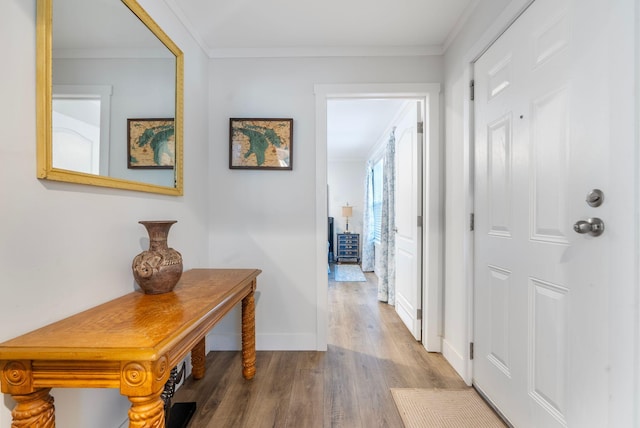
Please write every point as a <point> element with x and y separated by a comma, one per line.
<point>152,144</point>
<point>261,143</point>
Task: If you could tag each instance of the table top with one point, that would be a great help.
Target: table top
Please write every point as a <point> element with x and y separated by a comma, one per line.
<point>136,325</point>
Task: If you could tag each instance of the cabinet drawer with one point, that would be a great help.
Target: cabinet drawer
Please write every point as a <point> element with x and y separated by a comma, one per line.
<point>348,253</point>
<point>351,240</point>
<point>347,247</point>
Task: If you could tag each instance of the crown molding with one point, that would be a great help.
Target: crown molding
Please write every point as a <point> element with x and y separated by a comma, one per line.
<point>108,53</point>
<point>329,51</point>
<point>188,25</point>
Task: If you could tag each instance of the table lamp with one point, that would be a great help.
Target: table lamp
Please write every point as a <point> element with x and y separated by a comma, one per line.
<point>347,211</point>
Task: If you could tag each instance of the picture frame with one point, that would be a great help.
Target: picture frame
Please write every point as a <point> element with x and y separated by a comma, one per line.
<point>151,143</point>
<point>258,143</point>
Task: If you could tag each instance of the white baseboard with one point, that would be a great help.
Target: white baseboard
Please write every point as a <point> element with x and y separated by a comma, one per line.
<point>264,342</point>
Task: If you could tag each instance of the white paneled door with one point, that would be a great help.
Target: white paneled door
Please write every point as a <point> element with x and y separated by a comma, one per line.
<point>543,128</point>
<point>408,209</point>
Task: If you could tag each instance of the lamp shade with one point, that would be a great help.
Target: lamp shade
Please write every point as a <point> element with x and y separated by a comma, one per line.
<point>347,211</point>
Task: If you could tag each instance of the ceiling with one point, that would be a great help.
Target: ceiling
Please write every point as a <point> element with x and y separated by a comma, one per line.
<point>354,126</point>
<point>82,27</point>
<point>329,27</point>
<point>286,28</point>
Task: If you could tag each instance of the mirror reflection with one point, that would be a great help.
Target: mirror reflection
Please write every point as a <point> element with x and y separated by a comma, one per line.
<point>109,73</point>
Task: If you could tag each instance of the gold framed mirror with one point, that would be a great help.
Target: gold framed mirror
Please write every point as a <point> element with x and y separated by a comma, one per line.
<point>110,88</point>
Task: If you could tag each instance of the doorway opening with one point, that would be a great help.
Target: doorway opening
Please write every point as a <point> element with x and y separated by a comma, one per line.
<point>429,213</point>
<point>357,131</point>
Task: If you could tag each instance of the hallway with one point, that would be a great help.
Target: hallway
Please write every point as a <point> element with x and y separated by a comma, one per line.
<point>370,351</point>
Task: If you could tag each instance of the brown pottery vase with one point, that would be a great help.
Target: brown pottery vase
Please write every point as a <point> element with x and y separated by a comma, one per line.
<point>158,269</point>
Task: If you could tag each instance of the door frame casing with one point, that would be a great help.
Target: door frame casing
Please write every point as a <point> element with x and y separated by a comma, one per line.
<point>433,196</point>
<point>464,365</point>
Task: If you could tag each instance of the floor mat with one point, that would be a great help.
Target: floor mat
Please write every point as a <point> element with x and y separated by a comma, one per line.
<point>444,408</point>
<point>346,273</point>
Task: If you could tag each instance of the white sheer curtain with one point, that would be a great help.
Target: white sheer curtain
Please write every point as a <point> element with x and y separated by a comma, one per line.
<point>387,277</point>
<point>368,223</point>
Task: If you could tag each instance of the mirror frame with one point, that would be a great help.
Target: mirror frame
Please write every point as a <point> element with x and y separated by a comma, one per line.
<point>44,86</point>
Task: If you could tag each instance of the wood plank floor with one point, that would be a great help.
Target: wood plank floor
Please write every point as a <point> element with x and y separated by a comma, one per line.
<point>369,352</point>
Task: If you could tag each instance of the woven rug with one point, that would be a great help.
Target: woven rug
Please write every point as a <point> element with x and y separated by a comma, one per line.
<point>444,408</point>
<point>351,273</point>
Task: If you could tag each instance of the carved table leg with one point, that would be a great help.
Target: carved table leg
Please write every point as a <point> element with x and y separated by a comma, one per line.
<point>34,410</point>
<point>147,412</point>
<point>249,336</point>
<point>198,359</point>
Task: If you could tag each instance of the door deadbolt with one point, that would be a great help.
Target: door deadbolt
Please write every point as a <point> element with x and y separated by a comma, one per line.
<point>593,226</point>
<point>595,198</point>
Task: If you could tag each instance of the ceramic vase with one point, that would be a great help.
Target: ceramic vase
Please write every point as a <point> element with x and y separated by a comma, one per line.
<point>158,269</point>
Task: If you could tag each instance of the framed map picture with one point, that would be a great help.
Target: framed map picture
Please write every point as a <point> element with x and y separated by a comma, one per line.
<point>151,143</point>
<point>261,143</point>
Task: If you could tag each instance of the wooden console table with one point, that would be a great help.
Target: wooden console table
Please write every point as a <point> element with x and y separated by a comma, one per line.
<point>130,343</point>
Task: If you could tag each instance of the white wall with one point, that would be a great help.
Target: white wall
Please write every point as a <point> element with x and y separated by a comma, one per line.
<point>266,219</point>
<point>346,179</point>
<point>65,247</point>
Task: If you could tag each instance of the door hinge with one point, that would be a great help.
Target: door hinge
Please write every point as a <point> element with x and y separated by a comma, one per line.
<point>419,221</point>
<point>472,90</point>
<point>420,127</point>
<point>472,222</point>
<point>419,314</point>
<point>471,351</point>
